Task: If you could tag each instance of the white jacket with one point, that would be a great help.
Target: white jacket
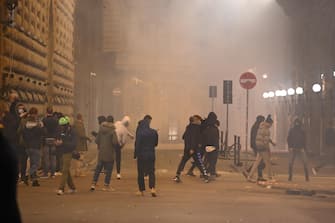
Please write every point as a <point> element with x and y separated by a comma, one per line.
<point>121,130</point>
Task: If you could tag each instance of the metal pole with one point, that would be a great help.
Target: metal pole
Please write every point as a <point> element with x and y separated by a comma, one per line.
<point>227,128</point>
<point>246,122</point>
<point>212,104</point>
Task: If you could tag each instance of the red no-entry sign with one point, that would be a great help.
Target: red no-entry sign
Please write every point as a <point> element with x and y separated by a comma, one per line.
<point>248,80</point>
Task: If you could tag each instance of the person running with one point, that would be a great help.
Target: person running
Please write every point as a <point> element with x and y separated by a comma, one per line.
<point>192,146</point>
<point>106,140</point>
<point>66,141</point>
<point>145,143</point>
<point>296,141</point>
<point>122,132</point>
<point>263,142</point>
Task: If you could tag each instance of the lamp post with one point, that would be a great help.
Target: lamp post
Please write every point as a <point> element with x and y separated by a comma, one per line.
<point>92,100</point>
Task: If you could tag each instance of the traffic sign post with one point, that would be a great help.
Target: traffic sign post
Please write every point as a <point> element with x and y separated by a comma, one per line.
<point>227,99</point>
<point>248,81</point>
<point>212,94</point>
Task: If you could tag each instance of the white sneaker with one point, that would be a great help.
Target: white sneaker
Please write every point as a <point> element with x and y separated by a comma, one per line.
<point>60,192</point>
<point>314,171</point>
<point>58,174</point>
<point>118,176</point>
<point>108,188</point>
<point>92,188</point>
<point>139,193</point>
<point>72,191</point>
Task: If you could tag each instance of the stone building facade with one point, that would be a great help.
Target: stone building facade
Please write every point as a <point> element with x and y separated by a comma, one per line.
<point>37,55</point>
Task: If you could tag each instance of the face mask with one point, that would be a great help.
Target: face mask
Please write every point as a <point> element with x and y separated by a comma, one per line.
<point>21,110</point>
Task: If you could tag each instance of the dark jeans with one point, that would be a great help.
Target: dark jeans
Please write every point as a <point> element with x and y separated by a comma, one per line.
<point>49,159</point>
<point>34,157</point>
<point>212,158</point>
<point>145,166</point>
<point>22,159</point>
<point>292,154</point>
<point>118,159</point>
<point>197,162</point>
<point>108,167</point>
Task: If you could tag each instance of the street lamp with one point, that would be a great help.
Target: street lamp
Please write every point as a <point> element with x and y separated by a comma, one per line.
<point>265,95</point>
<point>271,94</point>
<point>299,90</point>
<point>290,91</point>
<point>316,88</point>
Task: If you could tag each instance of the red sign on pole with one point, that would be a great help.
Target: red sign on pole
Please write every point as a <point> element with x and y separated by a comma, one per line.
<point>248,80</point>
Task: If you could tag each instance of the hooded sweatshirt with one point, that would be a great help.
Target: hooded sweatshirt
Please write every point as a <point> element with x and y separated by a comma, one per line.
<point>121,130</point>
<point>106,139</point>
<point>146,141</point>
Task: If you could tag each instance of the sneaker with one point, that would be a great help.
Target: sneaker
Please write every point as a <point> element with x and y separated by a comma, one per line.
<point>60,192</point>
<point>314,171</point>
<point>177,179</point>
<point>272,180</point>
<point>35,183</point>
<point>206,179</point>
<point>108,188</point>
<point>251,180</point>
<point>245,173</point>
<point>118,176</point>
<point>153,192</point>
<point>191,174</point>
<point>72,191</point>
<point>45,176</point>
<point>58,174</point>
<point>261,179</point>
<point>92,188</point>
<point>139,193</point>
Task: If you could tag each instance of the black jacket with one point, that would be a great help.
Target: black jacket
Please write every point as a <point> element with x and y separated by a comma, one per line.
<point>211,136</point>
<point>8,166</point>
<point>69,139</point>
<point>296,138</point>
<point>253,135</point>
<point>192,138</point>
<point>146,141</point>
<point>32,133</point>
<point>50,123</point>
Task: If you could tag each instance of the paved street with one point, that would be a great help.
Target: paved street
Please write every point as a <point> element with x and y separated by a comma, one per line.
<point>227,199</point>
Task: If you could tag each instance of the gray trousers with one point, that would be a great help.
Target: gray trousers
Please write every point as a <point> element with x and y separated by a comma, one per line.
<point>292,154</point>
<point>265,155</point>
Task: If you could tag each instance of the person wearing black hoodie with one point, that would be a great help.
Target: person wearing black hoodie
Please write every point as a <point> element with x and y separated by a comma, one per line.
<point>296,141</point>
<point>145,143</point>
<point>192,147</point>
<point>211,138</point>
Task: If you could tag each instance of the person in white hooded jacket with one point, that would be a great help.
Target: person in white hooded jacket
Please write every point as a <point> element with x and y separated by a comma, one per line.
<point>122,132</point>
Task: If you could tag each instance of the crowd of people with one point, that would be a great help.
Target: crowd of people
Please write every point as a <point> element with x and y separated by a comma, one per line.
<point>51,142</point>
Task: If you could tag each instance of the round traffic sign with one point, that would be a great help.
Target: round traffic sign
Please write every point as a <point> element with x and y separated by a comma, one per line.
<point>248,80</point>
